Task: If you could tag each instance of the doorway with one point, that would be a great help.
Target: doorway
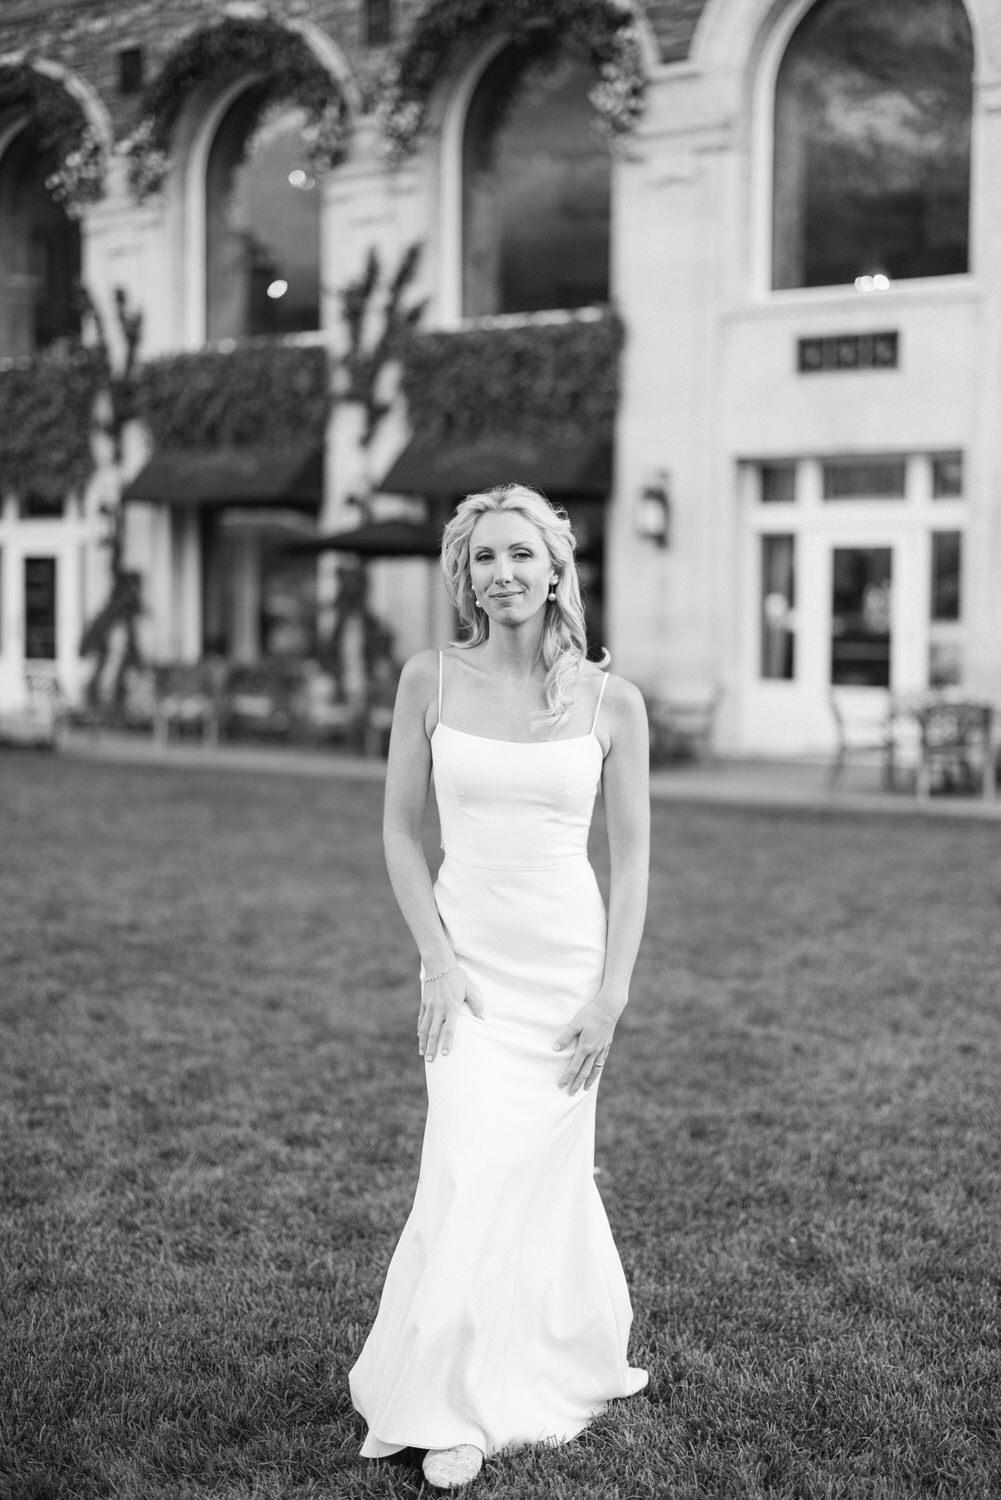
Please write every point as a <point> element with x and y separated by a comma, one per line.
<point>851,573</point>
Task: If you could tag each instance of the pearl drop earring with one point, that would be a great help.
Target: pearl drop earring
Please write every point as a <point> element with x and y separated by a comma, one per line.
<point>552,591</point>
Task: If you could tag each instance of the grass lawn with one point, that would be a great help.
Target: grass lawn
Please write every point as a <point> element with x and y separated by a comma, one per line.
<point>211,1109</point>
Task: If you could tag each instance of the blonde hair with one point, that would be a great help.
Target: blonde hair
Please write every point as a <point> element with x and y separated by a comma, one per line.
<point>564,637</point>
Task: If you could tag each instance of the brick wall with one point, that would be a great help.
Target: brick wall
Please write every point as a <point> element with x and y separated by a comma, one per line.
<point>86,35</point>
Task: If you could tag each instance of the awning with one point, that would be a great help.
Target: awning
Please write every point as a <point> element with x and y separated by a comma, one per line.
<point>559,467</point>
<point>291,476</point>
<point>392,538</point>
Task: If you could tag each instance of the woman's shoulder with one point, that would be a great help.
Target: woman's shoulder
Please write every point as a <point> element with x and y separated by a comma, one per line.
<point>419,677</point>
<point>622,702</point>
<point>420,666</point>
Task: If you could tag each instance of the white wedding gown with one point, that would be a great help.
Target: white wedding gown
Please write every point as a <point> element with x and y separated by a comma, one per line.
<point>505,1314</point>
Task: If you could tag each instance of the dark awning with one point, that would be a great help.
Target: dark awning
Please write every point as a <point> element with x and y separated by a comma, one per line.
<point>232,476</point>
<point>561,468</point>
<point>393,538</point>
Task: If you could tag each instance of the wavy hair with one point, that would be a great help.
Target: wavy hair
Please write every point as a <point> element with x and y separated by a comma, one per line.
<point>564,638</point>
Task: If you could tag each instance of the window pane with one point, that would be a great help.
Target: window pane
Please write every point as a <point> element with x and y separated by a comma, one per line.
<point>778,484</point>
<point>946,556</point>
<point>39,254</point>
<point>872,143</point>
<point>536,189</point>
<point>40,608</point>
<point>867,479</point>
<point>263,224</point>
<point>35,507</point>
<point>945,629</point>
<point>947,476</point>
<point>378,23</point>
<point>860,617</point>
<point>778,605</point>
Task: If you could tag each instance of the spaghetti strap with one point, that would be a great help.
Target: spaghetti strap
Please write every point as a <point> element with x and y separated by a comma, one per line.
<point>597,706</point>
<point>441,680</point>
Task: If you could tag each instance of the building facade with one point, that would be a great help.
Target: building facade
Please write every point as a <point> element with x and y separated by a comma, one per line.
<point>792,484</point>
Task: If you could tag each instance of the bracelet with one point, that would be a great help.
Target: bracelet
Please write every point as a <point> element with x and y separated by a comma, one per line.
<point>433,978</point>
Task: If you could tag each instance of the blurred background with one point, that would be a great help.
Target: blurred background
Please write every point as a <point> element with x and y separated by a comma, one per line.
<point>279,284</point>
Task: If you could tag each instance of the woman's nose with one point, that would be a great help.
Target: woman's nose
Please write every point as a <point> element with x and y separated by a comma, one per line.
<point>502,570</point>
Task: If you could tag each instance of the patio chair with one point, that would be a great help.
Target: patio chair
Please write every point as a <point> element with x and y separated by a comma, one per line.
<point>186,700</point>
<point>259,698</point>
<point>682,717</point>
<point>320,715</point>
<point>884,729</point>
<point>957,750</point>
<point>40,718</point>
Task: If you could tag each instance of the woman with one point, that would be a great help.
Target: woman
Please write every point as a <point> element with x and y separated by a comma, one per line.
<point>505,1314</point>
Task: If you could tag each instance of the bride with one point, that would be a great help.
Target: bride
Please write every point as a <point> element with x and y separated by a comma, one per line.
<point>505,1314</point>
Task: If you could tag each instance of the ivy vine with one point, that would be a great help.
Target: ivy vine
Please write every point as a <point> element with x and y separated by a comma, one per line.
<point>555,379</point>
<point>600,30</point>
<point>257,392</point>
<point>47,421</point>
<point>62,127</point>
<point>233,45</point>
<point>364,362</point>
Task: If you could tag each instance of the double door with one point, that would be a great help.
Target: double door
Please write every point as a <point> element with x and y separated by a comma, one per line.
<point>834,608</point>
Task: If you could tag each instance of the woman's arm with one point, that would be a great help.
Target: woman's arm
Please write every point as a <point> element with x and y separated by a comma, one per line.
<point>408,780</point>
<point>626,785</point>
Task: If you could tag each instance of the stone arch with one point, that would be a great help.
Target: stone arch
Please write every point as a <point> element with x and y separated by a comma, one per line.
<point>296,57</point>
<point>447,33</point>
<point>730,34</point>
<point>71,118</point>
<point>86,96</point>
<point>738,49</point>
<point>82,93</point>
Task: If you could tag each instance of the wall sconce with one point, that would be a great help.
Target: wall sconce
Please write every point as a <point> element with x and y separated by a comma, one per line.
<point>653,509</point>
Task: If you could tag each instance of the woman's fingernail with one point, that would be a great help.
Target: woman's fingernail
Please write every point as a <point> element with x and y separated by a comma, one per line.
<point>444,1051</point>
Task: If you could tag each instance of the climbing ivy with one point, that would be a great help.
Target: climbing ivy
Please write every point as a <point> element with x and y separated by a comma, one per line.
<point>289,71</point>
<point>557,378</point>
<point>61,127</point>
<point>255,392</point>
<point>602,31</point>
<point>47,419</point>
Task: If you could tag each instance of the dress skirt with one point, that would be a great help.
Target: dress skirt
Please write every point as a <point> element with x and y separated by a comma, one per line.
<point>505,1314</point>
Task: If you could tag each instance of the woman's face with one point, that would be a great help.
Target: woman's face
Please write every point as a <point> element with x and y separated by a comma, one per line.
<point>510,567</point>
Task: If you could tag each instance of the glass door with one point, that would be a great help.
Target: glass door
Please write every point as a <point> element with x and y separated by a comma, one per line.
<point>861,617</point>
<point>40,608</point>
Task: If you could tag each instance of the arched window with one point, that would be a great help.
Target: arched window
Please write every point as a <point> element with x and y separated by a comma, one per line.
<point>536,186</point>
<point>262,223</point>
<point>872,143</point>
<point>39,253</point>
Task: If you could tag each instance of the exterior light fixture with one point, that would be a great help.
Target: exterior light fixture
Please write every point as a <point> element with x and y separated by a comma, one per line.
<point>302,180</point>
<point>653,509</point>
<point>278,288</point>
<point>877,282</point>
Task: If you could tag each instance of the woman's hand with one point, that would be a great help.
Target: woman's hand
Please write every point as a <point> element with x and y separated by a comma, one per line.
<point>442,1000</point>
<point>590,1034</point>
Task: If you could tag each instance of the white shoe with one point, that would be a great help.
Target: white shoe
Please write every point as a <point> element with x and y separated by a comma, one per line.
<point>447,1468</point>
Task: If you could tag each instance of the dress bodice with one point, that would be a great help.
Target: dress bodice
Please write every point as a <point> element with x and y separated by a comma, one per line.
<point>513,805</point>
